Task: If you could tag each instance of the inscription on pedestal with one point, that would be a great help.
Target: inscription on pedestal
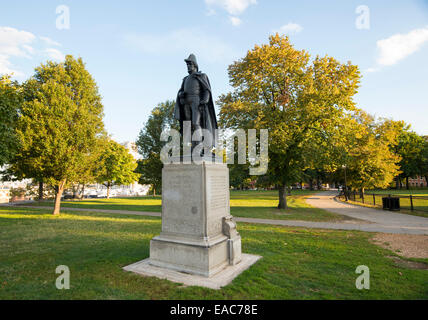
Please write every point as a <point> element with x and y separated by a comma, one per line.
<point>219,189</point>
<point>182,202</point>
<point>217,200</point>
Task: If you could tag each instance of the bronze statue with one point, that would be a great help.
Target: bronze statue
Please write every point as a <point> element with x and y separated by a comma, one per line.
<point>195,102</point>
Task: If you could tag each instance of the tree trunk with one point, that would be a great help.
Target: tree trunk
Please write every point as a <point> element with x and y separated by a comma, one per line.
<point>397,183</point>
<point>58,194</point>
<point>311,185</point>
<point>75,190</point>
<point>282,197</point>
<point>407,183</point>
<point>83,191</point>
<point>154,191</point>
<point>40,190</point>
<point>426,181</point>
<point>108,190</point>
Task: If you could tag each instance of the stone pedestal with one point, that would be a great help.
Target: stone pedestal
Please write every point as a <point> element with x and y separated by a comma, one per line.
<point>195,211</point>
<point>199,235</point>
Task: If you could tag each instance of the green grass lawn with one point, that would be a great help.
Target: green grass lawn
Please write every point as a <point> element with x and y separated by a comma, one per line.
<point>250,204</point>
<point>297,263</point>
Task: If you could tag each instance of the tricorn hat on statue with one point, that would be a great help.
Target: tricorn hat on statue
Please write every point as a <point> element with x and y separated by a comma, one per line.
<point>192,59</point>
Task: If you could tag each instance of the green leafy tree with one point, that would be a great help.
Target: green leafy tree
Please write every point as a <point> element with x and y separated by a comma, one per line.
<point>87,174</point>
<point>18,170</point>
<point>424,159</point>
<point>238,175</point>
<point>115,166</point>
<point>59,123</point>
<point>369,159</point>
<point>151,172</point>
<point>150,145</point>
<point>322,156</point>
<point>277,87</point>
<point>410,148</point>
<point>10,102</point>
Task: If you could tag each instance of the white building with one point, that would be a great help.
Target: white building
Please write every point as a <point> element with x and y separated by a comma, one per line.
<point>6,186</point>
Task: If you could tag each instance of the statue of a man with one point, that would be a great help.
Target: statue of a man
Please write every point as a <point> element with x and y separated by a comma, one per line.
<point>195,102</point>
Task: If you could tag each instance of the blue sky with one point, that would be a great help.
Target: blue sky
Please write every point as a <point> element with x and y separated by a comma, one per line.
<point>135,49</point>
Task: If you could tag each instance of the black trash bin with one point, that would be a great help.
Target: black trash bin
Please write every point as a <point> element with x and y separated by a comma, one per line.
<point>394,204</point>
<point>391,203</point>
<point>385,203</point>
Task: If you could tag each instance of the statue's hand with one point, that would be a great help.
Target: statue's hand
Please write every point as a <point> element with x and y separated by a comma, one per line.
<point>204,101</point>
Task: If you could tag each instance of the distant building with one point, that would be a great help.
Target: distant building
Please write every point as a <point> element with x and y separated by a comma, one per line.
<point>417,182</point>
<point>6,186</point>
<point>4,195</point>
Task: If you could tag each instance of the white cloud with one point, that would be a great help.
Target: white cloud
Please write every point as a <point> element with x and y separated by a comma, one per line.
<point>12,41</point>
<point>290,28</point>
<point>182,41</point>
<point>50,42</point>
<point>399,46</point>
<point>6,67</point>
<point>233,7</point>
<point>235,21</point>
<point>55,54</point>
<point>15,44</point>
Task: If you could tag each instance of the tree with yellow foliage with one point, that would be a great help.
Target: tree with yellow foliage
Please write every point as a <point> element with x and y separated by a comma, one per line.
<point>279,88</point>
<point>368,148</point>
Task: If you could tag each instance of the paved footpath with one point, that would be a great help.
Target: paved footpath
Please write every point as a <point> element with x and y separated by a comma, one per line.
<point>369,220</point>
<point>372,219</point>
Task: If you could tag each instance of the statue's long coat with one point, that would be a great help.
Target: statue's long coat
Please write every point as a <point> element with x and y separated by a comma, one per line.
<point>209,120</point>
